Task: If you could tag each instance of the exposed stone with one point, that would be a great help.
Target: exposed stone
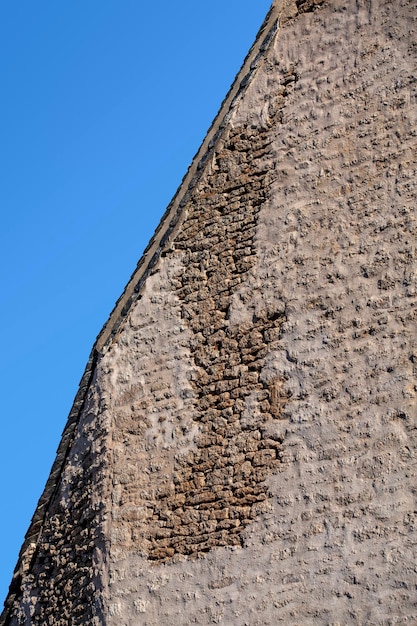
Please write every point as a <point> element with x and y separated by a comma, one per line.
<point>244,450</point>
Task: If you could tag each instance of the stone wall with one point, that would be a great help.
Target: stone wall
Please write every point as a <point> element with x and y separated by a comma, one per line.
<point>282,489</point>
<point>245,452</point>
<point>60,575</point>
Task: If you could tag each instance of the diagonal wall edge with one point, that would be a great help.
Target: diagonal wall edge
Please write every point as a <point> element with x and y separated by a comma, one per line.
<point>160,240</point>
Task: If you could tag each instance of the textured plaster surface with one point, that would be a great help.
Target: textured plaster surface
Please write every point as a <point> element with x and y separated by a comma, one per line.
<point>334,249</point>
<point>246,453</point>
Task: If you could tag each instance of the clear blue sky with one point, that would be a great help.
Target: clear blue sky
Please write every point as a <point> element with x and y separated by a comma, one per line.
<point>103,105</point>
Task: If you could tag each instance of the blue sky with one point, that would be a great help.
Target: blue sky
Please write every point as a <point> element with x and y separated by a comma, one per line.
<point>103,105</point>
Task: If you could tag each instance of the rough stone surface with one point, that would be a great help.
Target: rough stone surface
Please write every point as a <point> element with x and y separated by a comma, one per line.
<point>246,449</point>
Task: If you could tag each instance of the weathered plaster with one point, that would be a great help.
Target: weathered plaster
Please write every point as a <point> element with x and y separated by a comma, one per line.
<point>244,449</point>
